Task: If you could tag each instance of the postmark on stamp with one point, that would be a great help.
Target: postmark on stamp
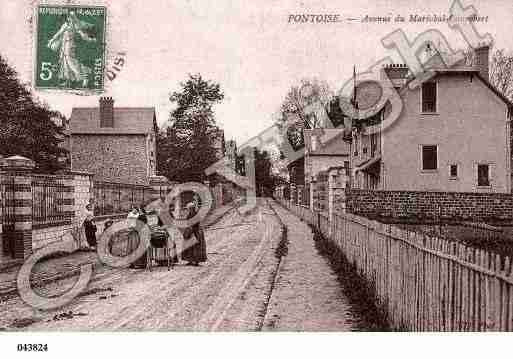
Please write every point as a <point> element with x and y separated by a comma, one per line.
<point>70,48</point>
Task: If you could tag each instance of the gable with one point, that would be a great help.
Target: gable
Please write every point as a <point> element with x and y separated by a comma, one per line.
<point>127,120</point>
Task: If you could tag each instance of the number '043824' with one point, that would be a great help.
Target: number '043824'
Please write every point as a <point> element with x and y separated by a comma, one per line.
<point>32,347</point>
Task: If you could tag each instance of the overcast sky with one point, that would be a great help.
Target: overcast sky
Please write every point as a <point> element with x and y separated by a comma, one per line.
<point>247,46</point>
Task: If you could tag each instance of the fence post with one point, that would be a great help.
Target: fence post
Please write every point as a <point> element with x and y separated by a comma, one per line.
<point>293,193</point>
<point>312,195</point>
<point>20,168</point>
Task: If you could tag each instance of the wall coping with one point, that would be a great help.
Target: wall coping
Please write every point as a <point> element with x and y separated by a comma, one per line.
<point>80,173</point>
<point>356,190</point>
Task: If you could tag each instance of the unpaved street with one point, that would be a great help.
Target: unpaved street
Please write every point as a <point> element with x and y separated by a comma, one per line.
<point>228,292</point>
<point>255,278</point>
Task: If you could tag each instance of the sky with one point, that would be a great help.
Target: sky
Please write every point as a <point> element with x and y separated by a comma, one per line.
<point>248,47</point>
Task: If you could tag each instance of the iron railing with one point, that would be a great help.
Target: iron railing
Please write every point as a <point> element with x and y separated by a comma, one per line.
<point>48,199</point>
<point>112,198</point>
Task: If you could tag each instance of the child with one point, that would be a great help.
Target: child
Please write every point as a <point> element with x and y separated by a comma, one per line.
<point>106,226</point>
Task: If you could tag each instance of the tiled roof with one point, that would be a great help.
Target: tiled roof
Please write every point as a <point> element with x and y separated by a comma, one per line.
<point>127,120</point>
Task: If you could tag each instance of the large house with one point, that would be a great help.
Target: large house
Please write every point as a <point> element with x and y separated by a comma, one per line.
<point>116,144</point>
<point>453,134</point>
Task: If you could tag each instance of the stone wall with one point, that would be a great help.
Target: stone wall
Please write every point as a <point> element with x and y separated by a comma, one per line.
<point>45,236</point>
<point>413,206</point>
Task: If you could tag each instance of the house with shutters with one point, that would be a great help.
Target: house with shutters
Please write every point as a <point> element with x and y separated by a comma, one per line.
<point>116,144</point>
<point>452,135</point>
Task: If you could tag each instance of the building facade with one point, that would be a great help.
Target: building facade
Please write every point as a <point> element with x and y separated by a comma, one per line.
<point>116,144</point>
<point>453,135</point>
<point>324,149</point>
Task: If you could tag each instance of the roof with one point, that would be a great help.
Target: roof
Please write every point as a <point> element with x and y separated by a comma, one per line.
<point>332,143</point>
<point>461,71</point>
<point>437,65</point>
<point>127,120</point>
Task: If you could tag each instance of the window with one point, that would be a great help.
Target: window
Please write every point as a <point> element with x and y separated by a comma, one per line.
<point>364,150</point>
<point>453,171</point>
<point>429,96</point>
<point>429,157</point>
<point>374,145</point>
<point>483,175</point>
<point>356,145</point>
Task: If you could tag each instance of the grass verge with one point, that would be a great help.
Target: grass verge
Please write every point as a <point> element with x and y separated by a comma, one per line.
<point>360,293</point>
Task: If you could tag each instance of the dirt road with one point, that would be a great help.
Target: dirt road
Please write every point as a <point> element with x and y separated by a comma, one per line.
<point>229,292</point>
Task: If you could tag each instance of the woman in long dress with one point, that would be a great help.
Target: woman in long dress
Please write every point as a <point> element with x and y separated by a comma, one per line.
<point>90,227</point>
<point>194,245</point>
<point>64,43</point>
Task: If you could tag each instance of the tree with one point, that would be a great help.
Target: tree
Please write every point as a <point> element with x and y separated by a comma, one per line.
<point>191,141</point>
<point>265,180</point>
<point>292,116</point>
<point>27,126</point>
<point>501,70</point>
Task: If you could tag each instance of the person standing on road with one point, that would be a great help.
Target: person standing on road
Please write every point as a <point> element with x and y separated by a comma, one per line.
<point>90,227</point>
<point>132,217</point>
<point>194,247</point>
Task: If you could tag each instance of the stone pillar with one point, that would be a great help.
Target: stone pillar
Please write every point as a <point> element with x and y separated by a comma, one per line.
<point>214,204</point>
<point>82,194</point>
<point>20,168</point>
<point>67,204</point>
<point>337,184</point>
<point>281,192</point>
<point>2,202</point>
<point>217,194</point>
<point>293,193</point>
<point>312,192</point>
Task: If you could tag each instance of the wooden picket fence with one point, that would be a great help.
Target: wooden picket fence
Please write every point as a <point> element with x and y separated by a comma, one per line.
<point>425,283</point>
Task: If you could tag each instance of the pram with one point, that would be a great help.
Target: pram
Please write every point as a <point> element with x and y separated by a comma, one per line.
<point>162,248</point>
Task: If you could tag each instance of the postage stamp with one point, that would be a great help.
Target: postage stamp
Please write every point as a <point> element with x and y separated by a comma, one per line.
<point>70,47</point>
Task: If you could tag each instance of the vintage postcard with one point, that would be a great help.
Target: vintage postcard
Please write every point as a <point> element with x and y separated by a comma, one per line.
<point>70,47</point>
<point>282,167</point>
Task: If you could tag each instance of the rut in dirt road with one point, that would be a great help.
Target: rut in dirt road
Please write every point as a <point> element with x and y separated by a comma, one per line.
<point>228,292</point>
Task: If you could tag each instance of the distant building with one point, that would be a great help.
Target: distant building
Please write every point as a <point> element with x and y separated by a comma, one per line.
<point>116,144</point>
<point>325,151</point>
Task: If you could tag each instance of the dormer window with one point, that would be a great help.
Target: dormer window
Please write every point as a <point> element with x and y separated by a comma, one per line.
<point>428,94</point>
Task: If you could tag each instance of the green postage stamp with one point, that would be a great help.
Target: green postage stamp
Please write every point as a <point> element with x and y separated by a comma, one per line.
<point>70,47</point>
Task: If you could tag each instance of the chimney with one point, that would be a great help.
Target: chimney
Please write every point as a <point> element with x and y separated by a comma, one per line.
<point>397,74</point>
<point>481,60</point>
<point>106,112</point>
